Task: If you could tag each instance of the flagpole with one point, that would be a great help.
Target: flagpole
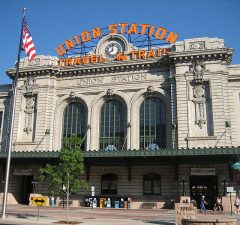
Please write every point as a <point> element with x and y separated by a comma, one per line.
<point>15,82</point>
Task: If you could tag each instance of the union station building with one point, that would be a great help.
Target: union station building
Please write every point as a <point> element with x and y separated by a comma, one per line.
<point>156,125</point>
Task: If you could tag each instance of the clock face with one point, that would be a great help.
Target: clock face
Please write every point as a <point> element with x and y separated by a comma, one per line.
<point>112,49</point>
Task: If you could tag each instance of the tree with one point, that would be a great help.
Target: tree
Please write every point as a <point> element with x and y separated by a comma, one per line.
<point>65,174</point>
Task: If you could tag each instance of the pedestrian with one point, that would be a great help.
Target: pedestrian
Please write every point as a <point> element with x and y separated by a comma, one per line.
<point>202,204</point>
<point>237,205</point>
<point>217,205</point>
<point>129,201</point>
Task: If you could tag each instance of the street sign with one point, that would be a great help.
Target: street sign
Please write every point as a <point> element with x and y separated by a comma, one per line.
<point>41,201</point>
<point>230,190</point>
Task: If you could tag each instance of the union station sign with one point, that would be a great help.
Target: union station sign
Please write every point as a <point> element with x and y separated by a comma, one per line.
<point>119,42</point>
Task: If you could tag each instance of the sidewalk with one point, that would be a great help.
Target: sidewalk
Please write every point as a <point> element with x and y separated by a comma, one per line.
<point>53,215</point>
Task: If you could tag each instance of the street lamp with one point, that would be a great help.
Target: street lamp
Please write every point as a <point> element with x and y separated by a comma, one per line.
<point>93,193</point>
<point>183,183</point>
<point>224,183</point>
<point>34,182</point>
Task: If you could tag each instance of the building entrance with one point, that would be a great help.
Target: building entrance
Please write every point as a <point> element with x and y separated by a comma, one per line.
<point>27,189</point>
<point>204,186</point>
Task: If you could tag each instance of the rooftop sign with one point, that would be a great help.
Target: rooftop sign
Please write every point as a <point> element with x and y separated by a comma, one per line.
<point>121,41</point>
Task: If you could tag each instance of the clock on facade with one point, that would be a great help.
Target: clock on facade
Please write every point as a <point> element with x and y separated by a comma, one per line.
<point>112,49</point>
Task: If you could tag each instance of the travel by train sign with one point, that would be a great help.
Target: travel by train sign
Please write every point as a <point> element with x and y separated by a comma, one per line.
<point>119,42</point>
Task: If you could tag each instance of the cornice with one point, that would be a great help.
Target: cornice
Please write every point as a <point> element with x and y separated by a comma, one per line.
<point>223,54</point>
<point>91,69</point>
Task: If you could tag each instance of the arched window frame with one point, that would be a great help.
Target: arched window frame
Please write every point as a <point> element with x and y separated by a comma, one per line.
<point>112,140</point>
<point>156,138</point>
<point>70,120</point>
<point>151,184</point>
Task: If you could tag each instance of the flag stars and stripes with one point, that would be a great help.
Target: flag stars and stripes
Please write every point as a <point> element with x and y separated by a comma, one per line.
<point>27,42</point>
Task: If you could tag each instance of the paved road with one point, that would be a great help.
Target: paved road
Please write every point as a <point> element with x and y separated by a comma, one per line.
<point>27,215</point>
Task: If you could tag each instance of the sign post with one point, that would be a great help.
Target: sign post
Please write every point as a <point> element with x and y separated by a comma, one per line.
<point>231,190</point>
<point>39,201</point>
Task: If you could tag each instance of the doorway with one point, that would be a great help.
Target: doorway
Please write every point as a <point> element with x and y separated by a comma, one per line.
<point>204,186</point>
<point>27,189</point>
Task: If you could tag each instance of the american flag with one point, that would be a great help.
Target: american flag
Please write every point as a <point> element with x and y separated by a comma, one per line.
<point>27,42</point>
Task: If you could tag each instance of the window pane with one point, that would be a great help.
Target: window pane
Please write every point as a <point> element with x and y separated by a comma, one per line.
<point>147,187</point>
<point>74,120</point>
<point>112,126</point>
<point>152,124</point>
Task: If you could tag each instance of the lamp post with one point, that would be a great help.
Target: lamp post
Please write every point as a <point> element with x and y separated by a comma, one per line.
<point>93,193</point>
<point>224,183</point>
<point>183,186</point>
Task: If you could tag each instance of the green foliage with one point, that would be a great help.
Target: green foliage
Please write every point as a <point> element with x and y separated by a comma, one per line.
<point>69,167</point>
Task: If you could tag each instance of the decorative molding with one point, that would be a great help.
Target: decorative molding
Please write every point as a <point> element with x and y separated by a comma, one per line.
<point>196,45</point>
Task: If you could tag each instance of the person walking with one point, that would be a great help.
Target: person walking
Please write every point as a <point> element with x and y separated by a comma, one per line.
<point>129,201</point>
<point>202,204</point>
<point>217,205</point>
<point>237,205</point>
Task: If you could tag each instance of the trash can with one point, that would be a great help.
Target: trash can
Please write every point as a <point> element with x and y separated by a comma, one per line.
<point>94,203</point>
<point>108,203</point>
<point>172,203</point>
<point>121,205</point>
<point>102,202</point>
<point>116,204</point>
<point>87,202</point>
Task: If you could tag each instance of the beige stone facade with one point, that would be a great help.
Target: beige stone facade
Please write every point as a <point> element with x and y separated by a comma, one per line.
<point>196,83</point>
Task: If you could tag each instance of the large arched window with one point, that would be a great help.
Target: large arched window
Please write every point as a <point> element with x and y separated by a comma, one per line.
<point>74,120</point>
<point>112,126</point>
<point>109,184</point>
<point>152,184</point>
<point>152,124</point>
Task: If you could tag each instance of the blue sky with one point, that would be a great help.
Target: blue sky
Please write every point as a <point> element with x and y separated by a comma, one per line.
<point>53,21</point>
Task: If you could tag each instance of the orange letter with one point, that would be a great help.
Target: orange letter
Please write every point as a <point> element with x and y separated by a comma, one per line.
<point>77,39</point>
<point>61,62</point>
<point>161,31</point>
<point>77,61</point>
<point>144,27</point>
<point>141,54</point>
<point>101,59</point>
<point>123,25</point>
<point>132,53</point>
<point>97,32</point>
<point>166,51</point>
<point>172,37</point>
<point>112,28</point>
<point>150,54</point>
<point>151,31</point>
<point>133,29</point>
<point>159,52</point>
<point>68,61</point>
<point>85,36</point>
<point>69,43</point>
<point>93,59</point>
<point>62,50</point>
<point>85,59</point>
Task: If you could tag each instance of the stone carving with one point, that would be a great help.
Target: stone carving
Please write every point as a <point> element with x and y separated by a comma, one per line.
<point>198,69</point>
<point>110,93</point>
<point>29,85</point>
<point>150,90</point>
<point>29,112</point>
<point>199,99</point>
<point>196,45</point>
<point>72,95</point>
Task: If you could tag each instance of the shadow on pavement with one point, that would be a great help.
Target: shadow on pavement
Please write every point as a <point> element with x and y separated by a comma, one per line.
<point>162,222</point>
